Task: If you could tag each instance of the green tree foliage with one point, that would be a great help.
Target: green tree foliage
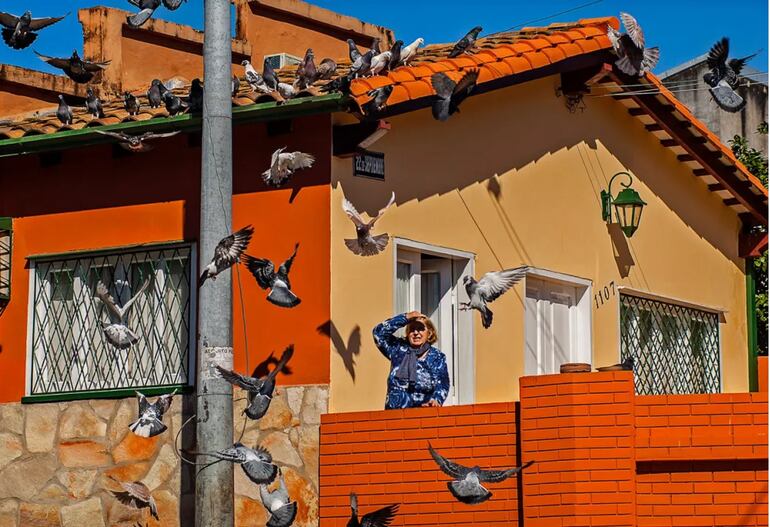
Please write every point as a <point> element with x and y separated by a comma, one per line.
<point>757,165</point>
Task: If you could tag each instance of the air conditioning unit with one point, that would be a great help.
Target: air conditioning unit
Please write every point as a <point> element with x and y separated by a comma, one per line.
<point>281,60</point>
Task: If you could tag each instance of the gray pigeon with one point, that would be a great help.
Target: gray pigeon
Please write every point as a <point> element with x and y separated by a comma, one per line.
<point>252,77</point>
<point>117,331</point>
<point>260,390</point>
<point>284,164</point>
<point>147,9</point>
<point>155,93</point>
<point>626,365</point>
<point>131,103</point>
<point>75,68</point>
<point>195,98</point>
<point>150,420</point>
<point>723,76</point>
<point>379,518</point>
<point>278,282</point>
<point>136,143</point>
<point>465,44</point>
<point>257,463</point>
<point>365,244</point>
<point>395,54</point>
<point>19,31</point>
<point>353,51</point>
<point>633,57</point>
<point>307,73</point>
<point>340,84</point>
<point>235,86</point>
<point>227,252</point>
<point>450,93</point>
<point>491,286</point>
<point>277,502</point>
<point>64,112</point>
<point>326,69</point>
<point>376,46</point>
<point>467,486</point>
<point>174,104</point>
<point>269,76</point>
<point>362,64</point>
<point>94,104</point>
<point>378,101</point>
<point>137,496</point>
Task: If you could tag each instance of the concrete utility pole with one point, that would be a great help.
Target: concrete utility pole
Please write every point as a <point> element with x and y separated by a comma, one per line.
<point>214,485</point>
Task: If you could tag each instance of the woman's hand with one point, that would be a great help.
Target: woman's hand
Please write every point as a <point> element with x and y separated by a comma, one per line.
<point>431,403</point>
<point>413,315</point>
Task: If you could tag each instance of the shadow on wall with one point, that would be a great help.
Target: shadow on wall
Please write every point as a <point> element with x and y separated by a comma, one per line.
<point>263,368</point>
<point>348,352</point>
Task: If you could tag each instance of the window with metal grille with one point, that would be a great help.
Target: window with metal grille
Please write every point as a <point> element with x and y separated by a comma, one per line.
<point>69,350</point>
<point>675,348</point>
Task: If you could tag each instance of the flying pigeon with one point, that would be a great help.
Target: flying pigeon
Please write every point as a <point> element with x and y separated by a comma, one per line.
<point>252,77</point>
<point>147,8</point>
<point>174,104</point>
<point>137,496</point>
<point>362,65</point>
<point>379,99</point>
<point>409,52</point>
<point>353,52</point>
<point>326,69</point>
<point>626,365</point>
<point>64,112</point>
<point>306,71</point>
<point>380,63</point>
<point>260,390</point>
<point>75,68</point>
<point>284,164</point>
<point>723,76</point>
<point>395,54</point>
<point>236,86</point>
<point>227,252</point>
<point>364,243</point>
<point>150,420</point>
<point>465,44</point>
<point>19,31</point>
<point>117,332</point>
<point>379,518</point>
<point>257,463</point>
<point>269,76</point>
<point>450,93</point>
<point>195,99</point>
<point>340,84</point>
<point>131,103</point>
<point>155,93</point>
<point>467,486</point>
<point>491,286</point>
<point>633,58</point>
<point>278,282</point>
<point>94,104</point>
<point>277,502</point>
<point>136,143</point>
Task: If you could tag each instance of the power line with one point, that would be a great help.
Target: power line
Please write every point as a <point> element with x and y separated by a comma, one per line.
<point>545,17</point>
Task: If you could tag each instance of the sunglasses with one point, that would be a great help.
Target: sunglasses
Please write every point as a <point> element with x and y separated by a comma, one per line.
<point>419,329</point>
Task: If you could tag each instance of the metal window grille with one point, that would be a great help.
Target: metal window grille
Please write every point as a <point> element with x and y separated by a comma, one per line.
<point>675,348</point>
<point>6,234</point>
<point>69,351</point>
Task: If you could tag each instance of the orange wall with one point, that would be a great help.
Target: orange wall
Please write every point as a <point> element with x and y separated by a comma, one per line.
<point>93,200</point>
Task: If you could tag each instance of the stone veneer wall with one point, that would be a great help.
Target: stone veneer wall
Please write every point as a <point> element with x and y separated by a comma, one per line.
<point>55,459</point>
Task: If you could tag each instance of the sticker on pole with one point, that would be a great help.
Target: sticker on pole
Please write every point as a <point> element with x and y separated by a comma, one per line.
<point>212,357</point>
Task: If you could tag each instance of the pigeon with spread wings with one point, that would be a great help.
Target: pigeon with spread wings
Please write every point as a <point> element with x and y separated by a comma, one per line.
<point>450,93</point>
<point>465,44</point>
<point>227,252</point>
<point>20,31</point>
<point>257,463</point>
<point>366,244</point>
<point>150,420</point>
<point>284,164</point>
<point>264,272</point>
<point>633,57</point>
<point>466,486</point>
<point>379,518</point>
<point>147,9</point>
<point>278,503</point>
<point>75,68</point>
<point>136,495</point>
<point>117,331</point>
<point>723,76</point>
<point>136,143</point>
<point>488,289</point>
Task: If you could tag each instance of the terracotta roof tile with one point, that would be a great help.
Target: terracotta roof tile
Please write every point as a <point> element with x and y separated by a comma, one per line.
<point>417,89</point>
<point>554,54</point>
<point>518,64</point>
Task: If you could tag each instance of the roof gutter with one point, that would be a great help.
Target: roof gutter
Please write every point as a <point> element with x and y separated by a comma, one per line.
<point>267,111</point>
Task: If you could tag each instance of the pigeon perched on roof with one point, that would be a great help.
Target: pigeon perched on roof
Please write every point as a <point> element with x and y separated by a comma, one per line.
<point>252,76</point>
<point>362,65</point>
<point>257,463</point>
<point>450,93</point>
<point>117,332</point>
<point>380,63</point>
<point>75,68</point>
<point>195,98</point>
<point>465,44</point>
<point>19,31</point>
<point>340,84</point>
<point>260,390</point>
<point>467,486</point>
<point>147,9</point>
<point>633,57</point>
<point>278,282</point>
<point>379,518</point>
<point>626,365</point>
<point>136,143</point>
<point>306,71</point>
<point>269,76</point>
<point>136,495</point>
<point>723,76</point>
<point>174,105</point>
<point>286,90</point>
<point>284,164</point>
<point>236,85</point>
<point>227,252</point>
<point>488,289</point>
<point>376,46</point>
<point>150,420</point>
<point>353,51</point>
<point>326,69</point>
<point>131,103</point>
<point>378,101</point>
<point>282,510</point>
<point>64,112</point>
<point>395,54</point>
<point>410,51</point>
<point>155,93</point>
<point>94,104</point>
<point>365,244</point>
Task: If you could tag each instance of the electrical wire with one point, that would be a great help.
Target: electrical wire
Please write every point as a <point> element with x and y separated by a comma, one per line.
<point>545,17</point>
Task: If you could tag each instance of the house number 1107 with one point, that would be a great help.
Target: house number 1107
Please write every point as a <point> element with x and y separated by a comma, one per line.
<point>604,294</point>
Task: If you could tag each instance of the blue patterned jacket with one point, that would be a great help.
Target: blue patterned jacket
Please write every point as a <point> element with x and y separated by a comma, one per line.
<point>432,375</point>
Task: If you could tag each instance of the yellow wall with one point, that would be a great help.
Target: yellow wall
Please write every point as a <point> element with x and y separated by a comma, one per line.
<point>547,167</point>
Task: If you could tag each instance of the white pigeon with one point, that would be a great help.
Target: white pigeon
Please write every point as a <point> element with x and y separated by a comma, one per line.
<point>491,286</point>
<point>254,79</point>
<point>227,252</point>
<point>282,510</point>
<point>379,63</point>
<point>364,243</point>
<point>150,420</point>
<point>117,332</point>
<point>408,52</point>
<point>284,164</point>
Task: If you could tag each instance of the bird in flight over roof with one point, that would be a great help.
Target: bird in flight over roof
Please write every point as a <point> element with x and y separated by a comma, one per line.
<point>77,69</point>
<point>450,93</point>
<point>724,75</point>
<point>147,9</point>
<point>634,58</point>
<point>21,31</point>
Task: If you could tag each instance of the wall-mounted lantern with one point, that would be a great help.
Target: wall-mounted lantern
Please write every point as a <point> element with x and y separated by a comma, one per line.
<point>627,204</point>
<point>6,232</point>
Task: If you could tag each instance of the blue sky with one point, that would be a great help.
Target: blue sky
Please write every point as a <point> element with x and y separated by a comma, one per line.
<point>682,29</point>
